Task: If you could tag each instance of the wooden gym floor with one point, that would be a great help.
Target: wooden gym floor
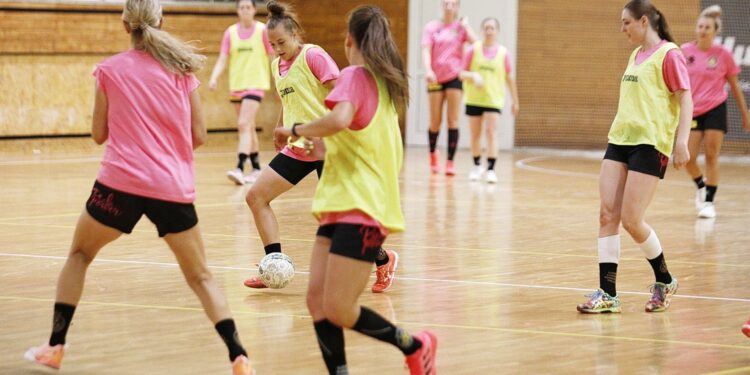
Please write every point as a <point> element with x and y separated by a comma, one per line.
<point>494,270</point>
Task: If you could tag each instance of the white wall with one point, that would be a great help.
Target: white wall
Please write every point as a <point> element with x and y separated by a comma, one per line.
<point>421,12</point>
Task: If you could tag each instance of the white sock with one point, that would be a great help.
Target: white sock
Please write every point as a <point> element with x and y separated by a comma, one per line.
<point>651,247</point>
<point>609,249</point>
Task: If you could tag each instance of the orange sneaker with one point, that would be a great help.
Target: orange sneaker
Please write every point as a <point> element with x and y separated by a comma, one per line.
<point>450,170</point>
<point>50,356</point>
<point>435,162</point>
<point>422,362</point>
<point>746,328</point>
<point>386,273</point>
<point>255,282</point>
<point>242,366</point>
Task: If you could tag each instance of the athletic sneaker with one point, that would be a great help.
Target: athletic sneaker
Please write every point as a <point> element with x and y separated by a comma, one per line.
<point>708,211</point>
<point>746,328</point>
<point>386,273</point>
<point>422,362</point>
<point>236,176</point>
<point>476,173</point>
<point>255,283</point>
<point>662,293</point>
<point>250,178</point>
<point>700,198</point>
<point>600,302</point>
<point>490,177</point>
<point>435,162</point>
<point>46,355</point>
<point>450,170</point>
<point>242,366</point>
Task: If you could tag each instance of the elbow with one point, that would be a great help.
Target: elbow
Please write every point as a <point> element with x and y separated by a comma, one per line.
<point>199,139</point>
<point>99,138</point>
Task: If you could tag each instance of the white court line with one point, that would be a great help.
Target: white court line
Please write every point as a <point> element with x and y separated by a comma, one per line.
<point>465,282</point>
<point>524,164</point>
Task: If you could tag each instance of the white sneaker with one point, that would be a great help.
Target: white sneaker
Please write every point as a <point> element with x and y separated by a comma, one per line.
<point>700,198</point>
<point>708,211</point>
<point>236,176</point>
<point>249,179</point>
<point>476,173</point>
<point>490,177</point>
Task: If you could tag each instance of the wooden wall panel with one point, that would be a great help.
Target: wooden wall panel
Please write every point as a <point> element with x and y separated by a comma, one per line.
<point>570,61</point>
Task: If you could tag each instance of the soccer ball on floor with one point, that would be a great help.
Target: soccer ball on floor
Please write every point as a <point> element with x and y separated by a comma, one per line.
<point>276,270</point>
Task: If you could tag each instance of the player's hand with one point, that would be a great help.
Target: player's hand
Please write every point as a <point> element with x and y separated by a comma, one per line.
<point>464,22</point>
<point>478,80</point>
<point>212,84</point>
<point>681,155</point>
<point>746,122</point>
<point>279,140</point>
<point>316,148</point>
<point>430,77</point>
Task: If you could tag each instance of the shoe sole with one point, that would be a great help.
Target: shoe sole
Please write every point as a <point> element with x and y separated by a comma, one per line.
<point>615,310</point>
<point>395,267</point>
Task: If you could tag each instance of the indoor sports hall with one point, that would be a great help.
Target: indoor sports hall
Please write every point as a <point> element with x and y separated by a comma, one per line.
<point>497,268</point>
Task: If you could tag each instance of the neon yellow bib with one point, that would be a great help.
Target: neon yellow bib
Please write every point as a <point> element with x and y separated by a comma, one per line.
<point>362,168</point>
<point>248,60</point>
<point>492,94</point>
<point>302,95</point>
<point>647,113</point>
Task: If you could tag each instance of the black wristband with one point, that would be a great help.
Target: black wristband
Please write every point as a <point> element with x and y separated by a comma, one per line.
<point>294,130</point>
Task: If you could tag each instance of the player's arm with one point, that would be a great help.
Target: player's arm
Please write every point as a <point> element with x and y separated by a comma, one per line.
<point>198,127</point>
<point>99,127</point>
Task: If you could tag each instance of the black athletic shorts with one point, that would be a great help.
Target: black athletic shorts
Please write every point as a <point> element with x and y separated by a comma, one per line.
<point>121,211</point>
<point>473,110</point>
<point>354,241</point>
<point>455,83</point>
<point>715,119</point>
<point>640,158</point>
<point>237,99</point>
<point>294,170</point>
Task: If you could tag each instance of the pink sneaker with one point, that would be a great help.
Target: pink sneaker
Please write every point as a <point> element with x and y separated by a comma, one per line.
<point>255,283</point>
<point>50,356</point>
<point>449,169</point>
<point>386,273</point>
<point>422,362</point>
<point>242,366</point>
<point>435,162</point>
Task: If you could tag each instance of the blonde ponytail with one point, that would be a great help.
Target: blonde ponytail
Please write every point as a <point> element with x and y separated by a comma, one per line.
<point>144,17</point>
<point>713,12</point>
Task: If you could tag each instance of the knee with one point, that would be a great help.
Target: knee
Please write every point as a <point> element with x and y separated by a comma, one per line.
<point>80,256</point>
<point>315,303</point>
<point>712,156</point>
<point>243,125</point>
<point>335,313</point>
<point>198,278</point>
<point>608,217</point>
<point>631,224</point>
<point>254,199</point>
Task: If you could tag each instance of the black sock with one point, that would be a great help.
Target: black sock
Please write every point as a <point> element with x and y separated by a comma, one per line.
<point>254,160</point>
<point>272,248</point>
<point>331,343</point>
<point>710,192</point>
<point>608,278</point>
<point>433,140</point>
<point>477,160</point>
<point>242,158</point>
<point>659,265</point>
<point>61,322</point>
<point>699,182</point>
<point>375,326</point>
<point>228,333</point>
<point>491,163</point>
<point>452,143</point>
<point>382,258</point>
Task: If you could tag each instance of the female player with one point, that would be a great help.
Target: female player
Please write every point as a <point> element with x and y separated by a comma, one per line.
<point>358,207</point>
<point>487,68</point>
<point>148,111</point>
<point>442,54</point>
<point>304,75</point>
<point>654,102</point>
<point>246,49</point>
<point>710,67</point>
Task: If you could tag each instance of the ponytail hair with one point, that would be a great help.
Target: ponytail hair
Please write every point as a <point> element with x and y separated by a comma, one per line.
<point>143,17</point>
<point>282,14</point>
<point>640,8</point>
<point>713,12</point>
<point>369,27</point>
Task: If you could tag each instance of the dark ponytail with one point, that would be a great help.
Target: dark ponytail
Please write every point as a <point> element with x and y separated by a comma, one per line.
<point>640,8</point>
<point>369,27</point>
<point>282,14</point>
